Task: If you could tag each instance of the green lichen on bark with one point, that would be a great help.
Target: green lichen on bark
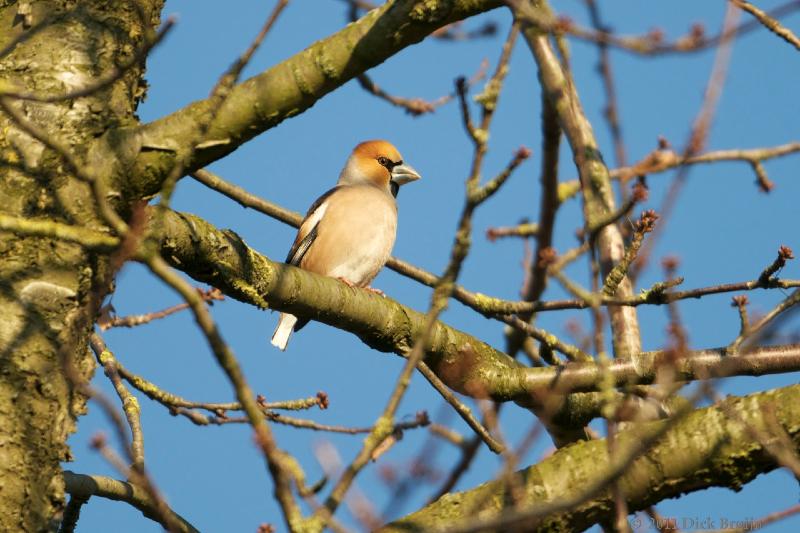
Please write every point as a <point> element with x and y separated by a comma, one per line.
<point>221,258</point>
<point>709,447</point>
<point>50,287</point>
<point>295,84</point>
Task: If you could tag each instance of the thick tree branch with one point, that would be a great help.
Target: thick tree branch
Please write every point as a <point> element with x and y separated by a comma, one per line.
<point>714,451</point>
<point>596,185</point>
<point>85,486</point>
<point>223,260</point>
<point>464,363</point>
<point>290,87</point>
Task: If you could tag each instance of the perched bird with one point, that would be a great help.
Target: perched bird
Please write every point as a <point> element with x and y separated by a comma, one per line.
<point>348,233</point>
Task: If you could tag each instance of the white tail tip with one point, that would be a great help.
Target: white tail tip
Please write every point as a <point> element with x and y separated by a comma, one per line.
<point>284,330</point>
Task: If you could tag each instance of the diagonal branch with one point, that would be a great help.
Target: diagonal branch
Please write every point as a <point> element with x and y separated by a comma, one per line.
<point>596,185</point>
<point>290,87</point>
<point>464,363</point>
<point>707,440</point>
<point>770,23</point>
<point>86,486</point>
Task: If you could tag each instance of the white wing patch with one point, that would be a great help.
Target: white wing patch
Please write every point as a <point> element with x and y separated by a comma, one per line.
<point>302,247</point>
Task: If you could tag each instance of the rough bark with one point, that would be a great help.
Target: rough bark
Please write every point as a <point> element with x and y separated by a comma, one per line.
<point>289,88</point>
<point>52,287</point>
<point>713,447</point>
<point>463,362</point>
<point>49,289</point>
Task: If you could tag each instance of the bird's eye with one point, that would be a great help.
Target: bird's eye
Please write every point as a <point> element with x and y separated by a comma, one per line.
<point>384,161</point>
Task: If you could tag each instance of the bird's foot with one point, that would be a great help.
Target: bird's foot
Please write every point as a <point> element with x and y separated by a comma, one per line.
<point>375,291</point>
<point>347,282</point>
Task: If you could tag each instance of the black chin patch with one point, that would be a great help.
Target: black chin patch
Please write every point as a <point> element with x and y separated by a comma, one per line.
<point>395,188</point>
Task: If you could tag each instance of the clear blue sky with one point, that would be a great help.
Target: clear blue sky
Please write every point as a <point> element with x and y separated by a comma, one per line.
<point>723,230</point>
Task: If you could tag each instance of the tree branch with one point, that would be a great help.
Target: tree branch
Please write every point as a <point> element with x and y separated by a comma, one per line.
<point>596,185</point>
<point>290,87</point>
<point>708,441</point>
<point>464,363</point>
<point>85,486</point>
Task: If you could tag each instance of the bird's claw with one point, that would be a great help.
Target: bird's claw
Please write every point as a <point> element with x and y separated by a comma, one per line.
<point>347,282</point>
<point>353,286</point>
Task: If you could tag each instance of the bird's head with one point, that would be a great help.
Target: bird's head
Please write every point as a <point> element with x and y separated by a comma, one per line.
<point>377,163</point>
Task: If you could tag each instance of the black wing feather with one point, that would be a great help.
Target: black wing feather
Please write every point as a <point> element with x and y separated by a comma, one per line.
<point>300,248</point>
<point>297,252</point>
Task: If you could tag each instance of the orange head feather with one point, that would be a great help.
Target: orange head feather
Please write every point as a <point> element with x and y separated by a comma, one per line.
<point>377,163</point>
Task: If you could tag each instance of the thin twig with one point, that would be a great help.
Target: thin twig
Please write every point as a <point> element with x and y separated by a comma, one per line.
<point>536,274</point>
<point>611,110</point>
<point>476,195</point>
<point>662,160</point>
<point>596,187</point>
<point>759,523</point>
<point>524,230</point>
<point>86,486</point>
<point>218,97</point>
<point>415,106</point>
<point>130,405</point>
<point>463,411</point>
<point>753,332</point>
<point>227,361</point>
<point>106,321</point>
<point>699,131</point>
<point>770,23</point>
<point>653,43</point>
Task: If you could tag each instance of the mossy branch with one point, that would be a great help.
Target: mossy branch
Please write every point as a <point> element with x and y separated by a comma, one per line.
<point>289,88</point>
<point>464,363</point>
<point>714,450</point>
<point>85,486</point>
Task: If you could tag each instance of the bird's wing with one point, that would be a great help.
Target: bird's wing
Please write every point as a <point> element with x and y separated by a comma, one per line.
<point>308,229</point>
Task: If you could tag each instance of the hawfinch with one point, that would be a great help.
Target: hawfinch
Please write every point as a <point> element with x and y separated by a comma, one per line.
<point>349,231</point>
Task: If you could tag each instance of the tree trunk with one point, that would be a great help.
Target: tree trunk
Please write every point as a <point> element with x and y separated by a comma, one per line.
<point>50,290</point>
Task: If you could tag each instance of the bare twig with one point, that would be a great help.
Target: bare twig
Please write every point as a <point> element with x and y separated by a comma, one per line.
<point>753,332</point>
<point>758,523</point>
<point>524,230</point>
<point>219,94</point>
<point>784,254</point>
<point>699,131</point>
<point>653,43</point>
<point>415,106</point>
<point>770,23</point>
<point>86,486</point>
<point>740,302</point>
<point>663,159</point>
<point>106,321</point>
<point>82,235</point>
<point>536,275</point>
<point>644,225</point>
<point>596,187</point>
<point>463,411</point>
<point>476,195</point>
<point>226,359</point>
<point>611,111</point>
<point>130,405</point>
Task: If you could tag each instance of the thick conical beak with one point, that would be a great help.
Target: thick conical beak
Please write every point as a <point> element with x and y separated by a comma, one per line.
<point>402,174</point>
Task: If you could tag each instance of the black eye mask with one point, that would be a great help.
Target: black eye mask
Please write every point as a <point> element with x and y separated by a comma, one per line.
<point>387,163</point>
